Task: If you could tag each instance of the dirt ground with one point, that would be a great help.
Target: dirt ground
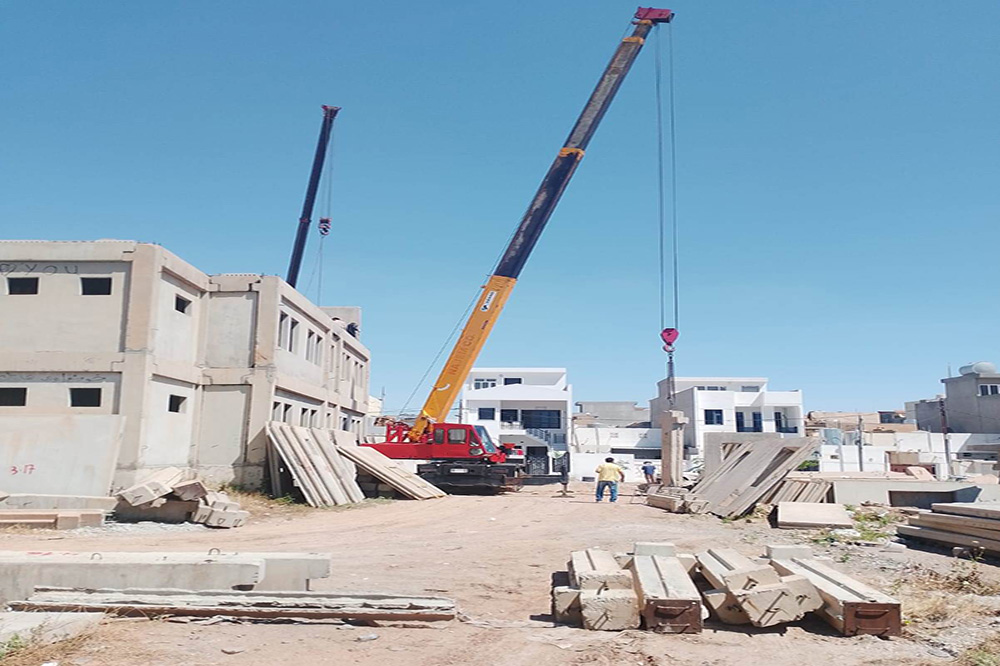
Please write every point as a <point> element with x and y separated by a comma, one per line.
<point>495,556</point>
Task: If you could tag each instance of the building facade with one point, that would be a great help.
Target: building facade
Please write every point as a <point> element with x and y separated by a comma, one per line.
<point>527,407</point>
<point>729,404</point>
<point>614,414</point>
<point>971,402</point>
<point>195,364</point>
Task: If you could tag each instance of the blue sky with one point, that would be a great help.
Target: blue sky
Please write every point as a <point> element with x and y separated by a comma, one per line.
<point>837,174</point>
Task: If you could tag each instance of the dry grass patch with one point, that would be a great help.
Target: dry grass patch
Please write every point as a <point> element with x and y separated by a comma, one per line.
<point>986,653</point>
<point>27,652</point>
<point>261,506</point>
<point>963,577</point>
<point>942,609</point>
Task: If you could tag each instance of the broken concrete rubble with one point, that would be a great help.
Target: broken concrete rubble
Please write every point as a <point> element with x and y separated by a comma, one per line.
<point>171,497</point>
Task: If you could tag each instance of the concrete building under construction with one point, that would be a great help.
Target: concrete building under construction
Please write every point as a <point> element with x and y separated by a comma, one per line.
<point>119,348</point>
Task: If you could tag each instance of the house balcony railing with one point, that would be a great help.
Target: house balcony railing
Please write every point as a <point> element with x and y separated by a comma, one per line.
<point>511,425</point>
<point>548,436</point>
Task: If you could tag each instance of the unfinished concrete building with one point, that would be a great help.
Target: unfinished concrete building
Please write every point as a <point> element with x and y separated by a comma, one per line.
<point>118,348</point>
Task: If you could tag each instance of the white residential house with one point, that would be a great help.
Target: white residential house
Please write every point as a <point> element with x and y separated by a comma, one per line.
<point>729,404</point>
<point>530,408</point>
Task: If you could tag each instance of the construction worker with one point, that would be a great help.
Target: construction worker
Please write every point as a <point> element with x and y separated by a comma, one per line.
<point>649,471</point>
<point>608,476</point>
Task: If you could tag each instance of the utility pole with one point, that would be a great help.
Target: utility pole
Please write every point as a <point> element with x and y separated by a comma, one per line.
<point>861,444</point>
<point>947,436</point>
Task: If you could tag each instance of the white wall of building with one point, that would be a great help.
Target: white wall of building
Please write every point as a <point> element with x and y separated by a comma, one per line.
<point>839,453</point>
<point>717,404</point>
<point>507,394</point>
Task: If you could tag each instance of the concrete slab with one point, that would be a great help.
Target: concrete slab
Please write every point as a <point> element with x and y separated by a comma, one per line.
<point>45,627</point>
<point>785,552</point>
<point>566,605</point>
<point>49,502</point>
<point>190,490</point>
<point>286,571</point>
<point>153,486</point>
<point>793,515</point>
<point>227,519</point>
<point>974,509</point>
<point>169,511</point>
<point>595,569</point>
<point>662,549</point>
<point>609,610</point>
<point>18,578</point>
<point>903,492</point>
<point>70,454</point>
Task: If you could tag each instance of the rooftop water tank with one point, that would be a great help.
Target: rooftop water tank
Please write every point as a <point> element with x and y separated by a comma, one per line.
<point>978,368</point>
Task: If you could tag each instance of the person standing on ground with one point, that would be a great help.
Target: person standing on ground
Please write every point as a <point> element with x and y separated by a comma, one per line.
<point>649,471</point>
<point>608,476</point>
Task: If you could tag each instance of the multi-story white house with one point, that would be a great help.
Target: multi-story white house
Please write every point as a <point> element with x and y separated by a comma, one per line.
<point>530,408</point>
<point>729,404</point>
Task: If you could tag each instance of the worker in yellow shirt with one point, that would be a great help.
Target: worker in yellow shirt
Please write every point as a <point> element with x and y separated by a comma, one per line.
<point>608,476</point>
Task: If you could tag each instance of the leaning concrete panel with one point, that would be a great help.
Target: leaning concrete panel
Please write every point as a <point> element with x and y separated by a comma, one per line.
<point>69,454</point>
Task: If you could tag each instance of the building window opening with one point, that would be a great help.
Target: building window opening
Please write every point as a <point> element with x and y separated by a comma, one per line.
<point>487,414</point>
<point>13,397</point>
<point>293,333</point>
<point>508,415</point>
<point>176,404</point>
<point>508,381</point>
<point>182,304</point>
<point>91,286</point>
<point>483,383</point>
<point>85,397</point>
<point>713,417</point>
<point>286,415</point>
<point>542,419</point>
<point>989,389</point>
<point>22,286</point>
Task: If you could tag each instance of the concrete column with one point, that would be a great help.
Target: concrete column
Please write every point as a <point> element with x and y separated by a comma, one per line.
<point>672,446</point>
<point>136,369</point>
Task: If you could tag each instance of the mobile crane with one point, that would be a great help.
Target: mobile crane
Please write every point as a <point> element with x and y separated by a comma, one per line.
<point>463,456</point>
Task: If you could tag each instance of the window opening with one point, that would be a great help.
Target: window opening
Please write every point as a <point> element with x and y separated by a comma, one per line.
<point>176,403</point>
<point>13,397</point>
<point>95,286</point>
<point>85,397</point>
<point>22,286</point>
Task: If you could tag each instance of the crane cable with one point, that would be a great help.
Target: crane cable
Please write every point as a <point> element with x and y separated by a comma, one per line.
<point>668,335</point>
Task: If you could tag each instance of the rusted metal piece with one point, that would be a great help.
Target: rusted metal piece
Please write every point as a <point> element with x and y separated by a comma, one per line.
<point>672,616</point>
<point>867,618</point>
